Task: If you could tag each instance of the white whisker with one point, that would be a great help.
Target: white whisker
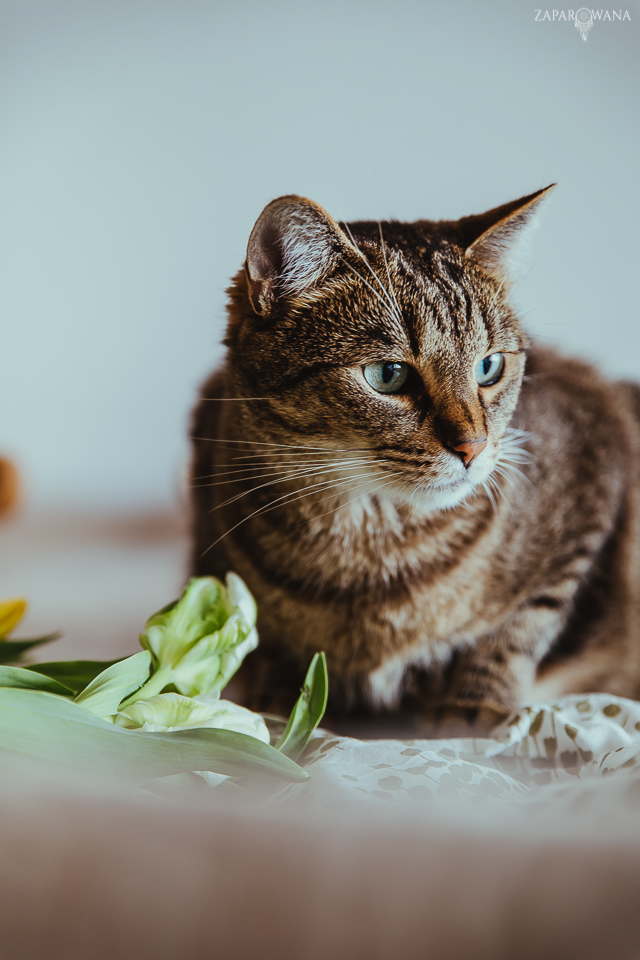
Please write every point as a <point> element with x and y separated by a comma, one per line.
<point>513,437</point>
<point>396,473</point>
<point>273,469</point>
<point>353,499</point>
<point>495,484</point>
<point>509,471</point>
<point>386,264</point>
<point>299,475</point>
<point>522,279</point>
<point>506,272</point>
<point>265,443</point>
<point>513,453</point>
<point>387,302</point>
<point>487,489</point>
<point>281,453</point>
<point>371,271</point>
<point>375,293</point>
<point>516,456</point>
<point>274,504</point>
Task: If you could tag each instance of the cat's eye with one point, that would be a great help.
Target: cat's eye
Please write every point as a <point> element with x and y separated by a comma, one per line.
<point>489,370</point>
<point>386,376</point>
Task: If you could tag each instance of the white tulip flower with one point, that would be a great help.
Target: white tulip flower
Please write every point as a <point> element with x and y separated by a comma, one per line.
<point>172,711</point>
<point>198,642</point>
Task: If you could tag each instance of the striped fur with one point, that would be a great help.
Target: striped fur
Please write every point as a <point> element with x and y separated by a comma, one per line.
<point>441,595</point>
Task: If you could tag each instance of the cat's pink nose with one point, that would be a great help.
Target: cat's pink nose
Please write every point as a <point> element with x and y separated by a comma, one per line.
<point>469,450</point>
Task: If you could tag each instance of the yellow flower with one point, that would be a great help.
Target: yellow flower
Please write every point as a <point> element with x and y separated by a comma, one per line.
<point>11,613</point>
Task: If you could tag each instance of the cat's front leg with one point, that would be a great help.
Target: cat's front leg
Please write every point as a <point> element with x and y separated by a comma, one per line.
<point>487,682</point>
<point>461,719</point>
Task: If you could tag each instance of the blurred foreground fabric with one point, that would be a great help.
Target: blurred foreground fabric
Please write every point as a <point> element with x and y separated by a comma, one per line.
<point>521,846</point>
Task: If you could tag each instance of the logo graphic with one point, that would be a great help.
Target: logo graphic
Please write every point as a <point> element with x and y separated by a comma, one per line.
<point>583,19</point>
<point>583,22</point>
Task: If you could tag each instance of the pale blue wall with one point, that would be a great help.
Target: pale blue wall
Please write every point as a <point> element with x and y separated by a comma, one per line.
<point>140,140</point>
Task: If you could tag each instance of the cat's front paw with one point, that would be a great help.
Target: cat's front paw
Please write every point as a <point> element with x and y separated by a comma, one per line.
<point>448,720</point>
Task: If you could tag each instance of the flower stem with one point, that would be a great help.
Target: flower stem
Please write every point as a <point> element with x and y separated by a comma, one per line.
<point>155,684</point>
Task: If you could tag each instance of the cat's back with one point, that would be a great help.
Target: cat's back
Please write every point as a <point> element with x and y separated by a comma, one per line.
<point>580,424</point>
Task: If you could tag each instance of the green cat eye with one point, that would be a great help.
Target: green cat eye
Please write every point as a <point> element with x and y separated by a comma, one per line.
<point>386,376</point>
<point>489,370</point>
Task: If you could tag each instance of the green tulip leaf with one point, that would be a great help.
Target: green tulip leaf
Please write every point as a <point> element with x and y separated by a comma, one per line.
<point>40,727</point>
<point>30,680</point>
<point>104,694</point>
<point>12,650</point>
<point>75,674</point>
<point>308,710</point>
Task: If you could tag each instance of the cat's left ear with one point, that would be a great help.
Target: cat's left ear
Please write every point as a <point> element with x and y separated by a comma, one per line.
<point>490,238</point>
<point>293,246</point>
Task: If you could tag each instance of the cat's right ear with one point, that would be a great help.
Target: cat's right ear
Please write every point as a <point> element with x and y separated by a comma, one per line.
<point>491,238</point>
<point>293,246</point>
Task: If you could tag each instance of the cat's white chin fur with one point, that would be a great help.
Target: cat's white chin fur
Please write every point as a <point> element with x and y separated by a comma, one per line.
<point>446,494</point>
<point>433,497</point>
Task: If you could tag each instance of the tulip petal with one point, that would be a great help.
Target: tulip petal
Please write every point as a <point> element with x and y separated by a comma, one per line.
<point>211,663</point>
<point>11,613</point>
<point>172,711</point>
<point>241,598</point>
<point>198,642</point>
<point>172,631</point>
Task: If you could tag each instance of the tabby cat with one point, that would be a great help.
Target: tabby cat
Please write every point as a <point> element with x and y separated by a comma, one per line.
<point>406,482</point>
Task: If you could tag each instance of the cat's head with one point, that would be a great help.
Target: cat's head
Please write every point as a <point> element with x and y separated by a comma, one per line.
<point>391,341</point>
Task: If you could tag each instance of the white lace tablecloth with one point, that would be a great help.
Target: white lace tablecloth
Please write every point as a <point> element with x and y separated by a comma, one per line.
<point>560,751</point>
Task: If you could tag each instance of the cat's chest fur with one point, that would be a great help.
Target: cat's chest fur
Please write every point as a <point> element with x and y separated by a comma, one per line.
<point>377,593</point>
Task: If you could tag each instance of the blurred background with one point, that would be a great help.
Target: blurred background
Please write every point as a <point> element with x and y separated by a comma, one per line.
<point>140,140</point>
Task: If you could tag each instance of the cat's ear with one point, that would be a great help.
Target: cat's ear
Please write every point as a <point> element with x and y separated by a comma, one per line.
<point>490,238</point>
<point>293,245</point>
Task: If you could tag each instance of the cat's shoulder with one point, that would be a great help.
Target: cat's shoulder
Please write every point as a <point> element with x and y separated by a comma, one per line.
<point>553,378</point>
<point>559,370</point>
<point>569,402</point>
